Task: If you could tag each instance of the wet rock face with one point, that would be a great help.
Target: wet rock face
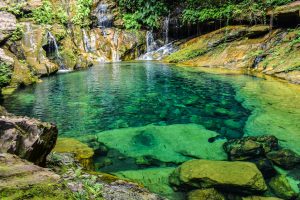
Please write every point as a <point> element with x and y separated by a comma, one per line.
<point>243,177</point>
<point>28,138</point>
<point>250,147</point>
<point>286,15</point>
<point>8,23</point>
<point>284,158</point>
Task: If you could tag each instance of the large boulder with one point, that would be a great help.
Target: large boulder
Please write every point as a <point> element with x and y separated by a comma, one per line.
<point>250,147</point>
<point>8,23</point>
<point>284,158</point>
<point>241,177</point>
<point>28,138</point>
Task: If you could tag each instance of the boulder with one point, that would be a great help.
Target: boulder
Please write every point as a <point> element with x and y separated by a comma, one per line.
<point>204,194</point>
<point>27,138</point>
<point>284,158</point>
<point>18,173</point>
<point>250,147</point>
<point>82,152</point>
<point>241,177</point>
<point>20,179</point>
<point>8,23</point>
<point>4,58</point>
<point>281,187</point>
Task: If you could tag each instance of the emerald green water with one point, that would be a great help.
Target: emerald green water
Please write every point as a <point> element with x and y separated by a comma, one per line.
<point>144,118</point>
<point>124,95</point>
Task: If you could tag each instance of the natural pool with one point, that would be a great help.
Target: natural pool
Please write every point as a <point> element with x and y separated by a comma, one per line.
<point>145,118</point>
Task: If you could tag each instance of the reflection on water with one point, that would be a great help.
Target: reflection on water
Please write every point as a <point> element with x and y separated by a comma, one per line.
<point>121,95</point>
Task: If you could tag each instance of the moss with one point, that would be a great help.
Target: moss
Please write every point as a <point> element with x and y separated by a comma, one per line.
<point>83,153</point>
<point>43,191</point>
<point>203,44</point>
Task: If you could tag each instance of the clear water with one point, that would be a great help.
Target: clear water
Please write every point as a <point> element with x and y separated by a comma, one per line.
<point>145,118</point>
<point>122,95</point>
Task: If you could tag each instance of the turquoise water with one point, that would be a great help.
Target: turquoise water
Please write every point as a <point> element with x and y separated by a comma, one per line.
<point>125,95</point>
<point>143,119</point>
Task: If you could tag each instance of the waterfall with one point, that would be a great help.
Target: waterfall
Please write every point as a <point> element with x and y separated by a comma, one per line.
<point>86,41</point>
<point>153,51</point>
<point>104,17</point>
<point>150,41</point>
<point>29,37</point>
<point>93,42</point>
<point>166,29</point>
<point>115,50</point>
<point>53,47</point>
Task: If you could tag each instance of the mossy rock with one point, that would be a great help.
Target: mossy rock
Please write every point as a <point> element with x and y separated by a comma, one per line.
<point>83,153</point>
<point>243,177</point>
<point>282,188</point>
<point>209,193</point>
<point>37,192</point>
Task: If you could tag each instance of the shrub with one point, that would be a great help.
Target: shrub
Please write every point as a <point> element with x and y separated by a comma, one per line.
<point>5,74</point>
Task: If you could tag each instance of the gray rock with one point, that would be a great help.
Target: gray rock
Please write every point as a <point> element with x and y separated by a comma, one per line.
<point>27,138</point>
<point>8,23</point>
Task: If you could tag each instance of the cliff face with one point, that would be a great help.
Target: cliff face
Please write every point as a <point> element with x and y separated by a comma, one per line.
<point>271,50</point>
<point>30,48</point>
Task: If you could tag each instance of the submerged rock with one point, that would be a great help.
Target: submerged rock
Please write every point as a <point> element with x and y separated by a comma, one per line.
<point>284,158</point>
<point>282,188</point>
<point>241,177</point>
<point>250,147</point>
<point>169,144</point>
<point>82,152</point>
<point>203,194</point>
<point>260,198</point>
<point>155,179</point>
<point>27,138</point>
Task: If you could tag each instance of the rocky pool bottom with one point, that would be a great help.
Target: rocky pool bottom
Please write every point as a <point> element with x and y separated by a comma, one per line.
<point>203,112</point>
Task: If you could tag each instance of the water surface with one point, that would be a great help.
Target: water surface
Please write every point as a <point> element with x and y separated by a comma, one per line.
<point>144,118</point>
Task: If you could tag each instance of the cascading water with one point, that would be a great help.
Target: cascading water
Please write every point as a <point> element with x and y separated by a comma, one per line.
<point>104,17</point>
<point>53,47</point>
<point>86,41</point>
<point>115,50</point>
<point>93,42</point>
<point>151,45</point>
<point>29,37</point>
<point>154,52</point>
<point>166,29</point>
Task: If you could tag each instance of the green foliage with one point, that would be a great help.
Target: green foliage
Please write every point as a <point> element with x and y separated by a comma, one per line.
<point>140,13</point>
<point>5,74</point>
<point>16,9</point>
<point>296,40</point>
<point>83,8</point>
<point>61,16</point>
<point>131,21</point>
<point>17,34</point>
<point>44,14</point>
<point>253,11</point>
